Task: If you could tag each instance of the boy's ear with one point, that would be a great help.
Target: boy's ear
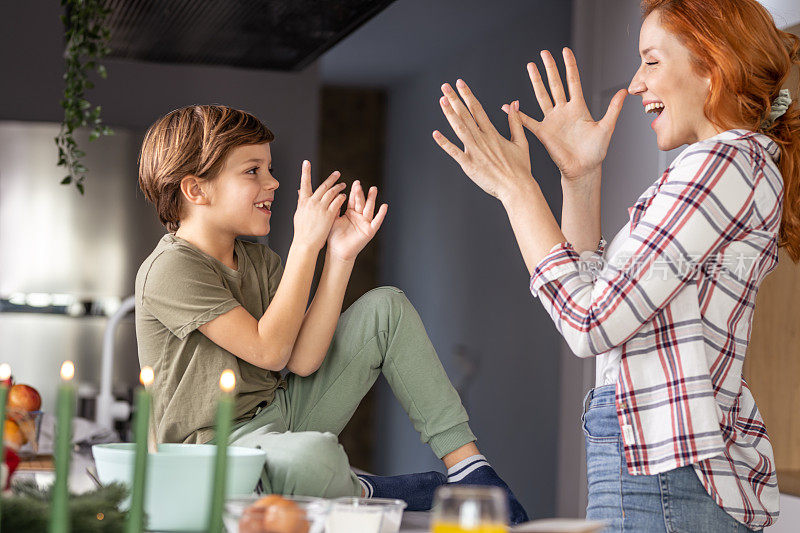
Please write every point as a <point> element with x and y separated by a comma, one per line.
<point>193,191</point>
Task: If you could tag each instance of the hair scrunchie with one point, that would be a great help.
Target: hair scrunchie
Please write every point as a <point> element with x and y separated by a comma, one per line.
<point>779,107</point>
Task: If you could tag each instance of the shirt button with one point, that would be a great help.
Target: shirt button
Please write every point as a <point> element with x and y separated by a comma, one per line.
<point>627,432</point>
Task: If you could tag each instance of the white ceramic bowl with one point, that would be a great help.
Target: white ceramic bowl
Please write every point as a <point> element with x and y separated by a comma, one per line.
<point>179,479</point>
<point>315,510</point>
<point>365,515</point>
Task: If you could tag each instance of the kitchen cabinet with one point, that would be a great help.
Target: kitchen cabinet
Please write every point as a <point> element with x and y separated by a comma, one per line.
<point>772,367</point>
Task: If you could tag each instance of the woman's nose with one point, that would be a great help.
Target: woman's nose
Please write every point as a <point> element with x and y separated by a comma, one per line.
<point>637,85</point>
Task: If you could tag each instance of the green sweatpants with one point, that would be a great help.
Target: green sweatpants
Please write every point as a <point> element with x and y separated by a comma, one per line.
<point>381,332</point>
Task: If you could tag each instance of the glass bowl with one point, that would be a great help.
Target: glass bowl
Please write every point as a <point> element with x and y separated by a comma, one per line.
<point>314,512</point>
<point>367,515</point>
<point>29,424</point>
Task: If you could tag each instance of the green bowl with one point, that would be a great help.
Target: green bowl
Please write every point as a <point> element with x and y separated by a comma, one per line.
<point>179,479</point>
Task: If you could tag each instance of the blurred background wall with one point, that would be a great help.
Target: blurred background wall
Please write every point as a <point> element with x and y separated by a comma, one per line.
<point>447,244</point>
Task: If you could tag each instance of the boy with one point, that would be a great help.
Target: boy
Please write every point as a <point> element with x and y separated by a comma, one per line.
<point>206,301</point>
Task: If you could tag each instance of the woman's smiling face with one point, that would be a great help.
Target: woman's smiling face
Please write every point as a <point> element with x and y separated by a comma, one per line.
<point>670,87</point>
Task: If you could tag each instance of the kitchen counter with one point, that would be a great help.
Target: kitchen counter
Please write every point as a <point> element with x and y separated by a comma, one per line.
<point>415,522</point>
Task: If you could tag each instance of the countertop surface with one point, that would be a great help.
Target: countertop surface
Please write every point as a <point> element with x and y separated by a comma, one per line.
<point>80,481</point>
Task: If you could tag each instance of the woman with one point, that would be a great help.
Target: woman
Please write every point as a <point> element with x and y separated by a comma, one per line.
<point>674,440</point>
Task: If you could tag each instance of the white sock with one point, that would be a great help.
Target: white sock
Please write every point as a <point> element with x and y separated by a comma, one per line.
<point>463,468</point>
<point>366,487</point>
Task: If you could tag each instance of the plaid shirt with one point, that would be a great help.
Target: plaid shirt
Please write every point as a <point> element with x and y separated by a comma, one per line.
<point>677,300</point>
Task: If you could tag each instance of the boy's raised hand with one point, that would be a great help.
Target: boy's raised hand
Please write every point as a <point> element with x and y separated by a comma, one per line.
<point>317,209</point>
<point>352,231</point>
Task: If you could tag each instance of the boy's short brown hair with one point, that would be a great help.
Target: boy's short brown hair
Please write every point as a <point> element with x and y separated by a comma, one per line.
<point>192,140</point>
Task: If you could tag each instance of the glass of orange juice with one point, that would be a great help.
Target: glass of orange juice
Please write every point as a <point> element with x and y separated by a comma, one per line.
<point>469,509</point>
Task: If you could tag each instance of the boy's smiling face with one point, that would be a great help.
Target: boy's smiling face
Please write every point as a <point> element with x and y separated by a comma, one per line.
<point>241,196</point>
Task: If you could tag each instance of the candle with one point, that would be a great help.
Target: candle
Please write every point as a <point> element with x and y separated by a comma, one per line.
<point>227,382</point>
<point>141,417</point>
<point>59,512</point>
<point>5,374</point>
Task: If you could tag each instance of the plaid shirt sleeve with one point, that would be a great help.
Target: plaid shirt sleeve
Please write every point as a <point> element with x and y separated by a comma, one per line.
<point>703,201</point>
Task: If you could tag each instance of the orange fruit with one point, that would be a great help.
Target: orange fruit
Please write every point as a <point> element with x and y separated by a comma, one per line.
<point>13,436</point>
<point>273,499</point>
<point>276,515</point>
<point>285,519</point>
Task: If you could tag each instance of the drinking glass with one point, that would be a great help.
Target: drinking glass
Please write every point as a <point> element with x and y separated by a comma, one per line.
<point>469,509</point>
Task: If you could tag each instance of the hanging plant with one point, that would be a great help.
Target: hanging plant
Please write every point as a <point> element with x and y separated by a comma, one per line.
<point>87,42</point>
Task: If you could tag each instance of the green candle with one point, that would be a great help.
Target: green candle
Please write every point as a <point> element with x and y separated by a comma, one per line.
<point>141,417</point>
<point>227,383</point>
<point>5,374</point>
<point>59,511</point>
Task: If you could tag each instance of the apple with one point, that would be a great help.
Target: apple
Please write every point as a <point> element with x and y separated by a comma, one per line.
<point>24,397</point>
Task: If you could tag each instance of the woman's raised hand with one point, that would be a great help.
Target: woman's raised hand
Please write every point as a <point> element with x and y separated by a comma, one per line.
<point>317,209</point>
<point>576,143</point>
<point>493,162</point>
<point>358,225</point>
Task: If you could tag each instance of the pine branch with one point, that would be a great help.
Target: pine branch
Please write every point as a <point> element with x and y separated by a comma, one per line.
<point>97,511</point>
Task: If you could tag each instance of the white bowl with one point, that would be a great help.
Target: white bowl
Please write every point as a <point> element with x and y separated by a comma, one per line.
<point>179,479</point>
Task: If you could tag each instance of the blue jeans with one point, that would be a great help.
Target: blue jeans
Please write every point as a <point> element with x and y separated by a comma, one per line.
<point>668,502</point>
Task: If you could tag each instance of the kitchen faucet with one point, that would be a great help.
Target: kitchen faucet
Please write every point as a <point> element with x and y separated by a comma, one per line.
<point>109,409</point>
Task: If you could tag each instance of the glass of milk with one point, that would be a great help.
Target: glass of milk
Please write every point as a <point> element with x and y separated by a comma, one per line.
<point>365,515</point>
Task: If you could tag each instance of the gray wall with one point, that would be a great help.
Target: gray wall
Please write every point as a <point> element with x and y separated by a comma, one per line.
<point>450,247</point>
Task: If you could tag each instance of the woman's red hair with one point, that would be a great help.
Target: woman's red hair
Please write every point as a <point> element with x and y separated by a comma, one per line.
<point>748,59</point>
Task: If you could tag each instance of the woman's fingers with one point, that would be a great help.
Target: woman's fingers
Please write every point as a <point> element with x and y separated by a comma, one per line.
<point>553,78</point>
<point>451,149</point>
<point>515,125</point>
<point>459,112</point>
<point>474,106</point>
<point>609,120</point>
<point>305,178</point>
<point>530,124</point>
<point>539,89</point>
<point>573,76</point>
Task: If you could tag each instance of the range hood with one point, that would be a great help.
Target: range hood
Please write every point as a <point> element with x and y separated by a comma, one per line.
<point>263,34</point>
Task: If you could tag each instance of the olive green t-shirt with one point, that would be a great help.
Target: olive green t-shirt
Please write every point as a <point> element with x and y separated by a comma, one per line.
<point>178,289</point>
